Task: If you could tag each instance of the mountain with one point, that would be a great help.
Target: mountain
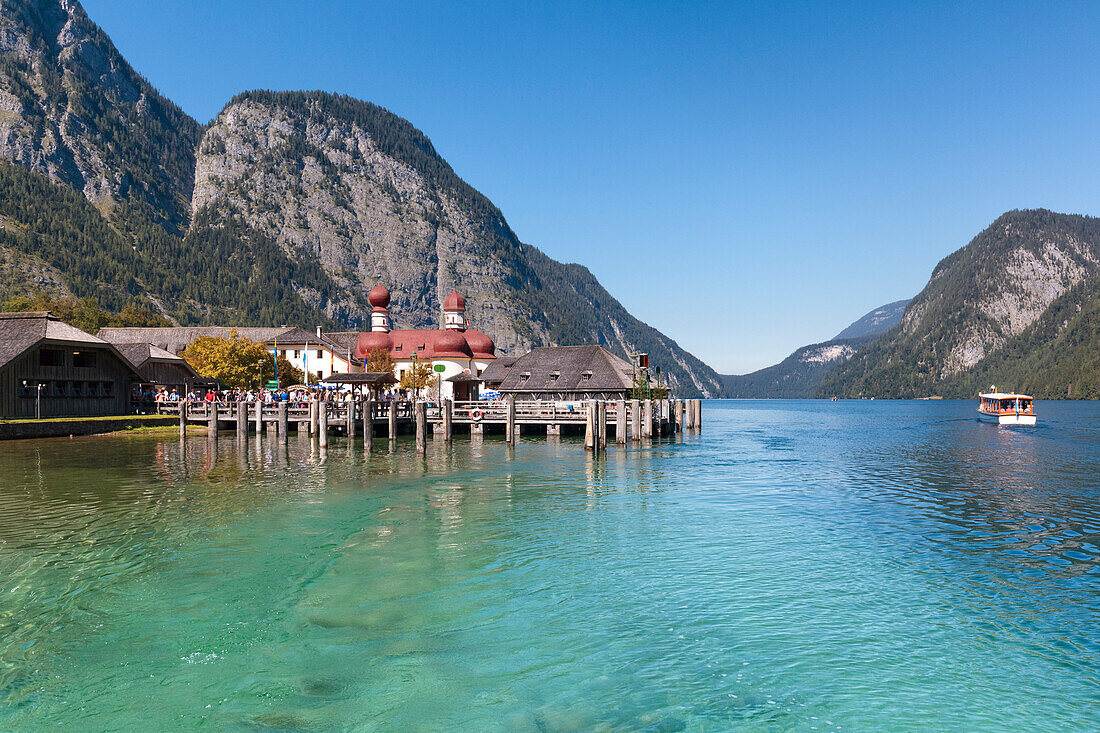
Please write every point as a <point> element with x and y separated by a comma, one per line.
<point>875,323</point>
<point>797,376</point>
<point>1015,307</point>
<point>287,208</point>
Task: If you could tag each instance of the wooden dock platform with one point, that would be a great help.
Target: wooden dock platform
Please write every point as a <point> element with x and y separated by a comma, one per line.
<point>624,420</point>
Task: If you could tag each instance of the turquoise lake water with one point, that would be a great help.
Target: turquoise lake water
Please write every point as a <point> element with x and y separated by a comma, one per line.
<point>797,566</point>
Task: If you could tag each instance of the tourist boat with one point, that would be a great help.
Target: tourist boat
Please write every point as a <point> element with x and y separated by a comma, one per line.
<point>1006,408</point>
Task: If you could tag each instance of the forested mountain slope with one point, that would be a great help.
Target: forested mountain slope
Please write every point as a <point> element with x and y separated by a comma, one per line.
<point>982,305</point>
<point>287,208</point>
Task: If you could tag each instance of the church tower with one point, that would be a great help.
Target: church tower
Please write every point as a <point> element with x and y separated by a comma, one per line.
<point>379,298</point>
<point>454,312</point>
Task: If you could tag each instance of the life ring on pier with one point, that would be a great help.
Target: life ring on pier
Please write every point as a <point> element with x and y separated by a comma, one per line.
<point>475,415</point>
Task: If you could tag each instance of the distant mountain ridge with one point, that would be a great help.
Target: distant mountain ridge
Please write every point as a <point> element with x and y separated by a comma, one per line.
<point>287,208</point>
<point>1016,307</point>
<point>800,374</point>
<point>875,323</point>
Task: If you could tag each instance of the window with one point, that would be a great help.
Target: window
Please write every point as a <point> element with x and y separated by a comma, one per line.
<point>55,389</point>
<point>586,376</point>
<point>108,388</point>
<point>320,354</point>
<point>295,353</point>
<point>479,371</point>
<point>84,359</point>
<point>554,376</point>
<point>525,376</point>
<point>76,389</point>
<point>51,357</point>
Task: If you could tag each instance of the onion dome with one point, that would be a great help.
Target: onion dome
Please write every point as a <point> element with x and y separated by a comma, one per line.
<point>368,342</point>
<point>379,297</point>
<point>454,302</point>
<point>450,343</point>
<point>480,344</point>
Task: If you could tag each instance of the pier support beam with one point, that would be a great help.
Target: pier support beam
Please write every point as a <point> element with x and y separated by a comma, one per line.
<point>322,424</point>
<point>553,430</point>
<point>284,424</point>
<point>689,416</point>
<point>647,419</point>
<point>313,416</point>
<point>421,427</point>
<point>601,425</point>
<point>259,417</point>
<point>678,409</point>
<point>183,417</point>
<point>351,416</point>
<point>242,420</point>
<point>698,415</point>
<point>448,413</point>
<point>620,422</point>
<point>589,425</point>
<point>393,421</point>
<point>510,422</point>
<point>368,425</point>
<point>635,420</point>
<point>212,419</point>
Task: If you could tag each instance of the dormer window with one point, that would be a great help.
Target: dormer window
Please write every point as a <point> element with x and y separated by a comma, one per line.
<point>554,376</point>
<point>586,376</point>
<point>525,376</point>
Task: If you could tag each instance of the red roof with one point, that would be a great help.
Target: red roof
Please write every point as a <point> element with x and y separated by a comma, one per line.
<point>379,297</point>
<point>428,344</point>
<point>454,302</point>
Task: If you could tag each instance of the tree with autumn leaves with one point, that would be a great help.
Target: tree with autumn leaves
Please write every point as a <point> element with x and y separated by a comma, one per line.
<point>238,362</point>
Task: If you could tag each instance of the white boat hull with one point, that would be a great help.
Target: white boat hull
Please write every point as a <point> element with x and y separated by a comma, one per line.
<point>1007,419</point>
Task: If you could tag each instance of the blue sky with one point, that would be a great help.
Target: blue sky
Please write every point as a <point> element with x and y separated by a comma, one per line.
<point>746,177</point>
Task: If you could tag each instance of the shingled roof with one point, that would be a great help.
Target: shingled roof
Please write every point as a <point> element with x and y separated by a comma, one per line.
<point>567,369</point>
<point>21,331</point>
<point>176,339</point>
<point>139,353</point>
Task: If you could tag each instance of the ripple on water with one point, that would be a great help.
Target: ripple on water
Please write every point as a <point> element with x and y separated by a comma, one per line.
<point>800,565</point>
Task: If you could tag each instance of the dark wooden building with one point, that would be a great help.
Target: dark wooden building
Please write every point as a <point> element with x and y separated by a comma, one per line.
<point>159,368</point>
<point>562,373</point>
<point>67,372</point>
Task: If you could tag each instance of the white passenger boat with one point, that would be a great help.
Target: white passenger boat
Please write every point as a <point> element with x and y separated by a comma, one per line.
<point>1006,408</point>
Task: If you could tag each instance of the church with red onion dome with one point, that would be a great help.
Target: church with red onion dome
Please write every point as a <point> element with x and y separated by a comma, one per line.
<point>464,352</point>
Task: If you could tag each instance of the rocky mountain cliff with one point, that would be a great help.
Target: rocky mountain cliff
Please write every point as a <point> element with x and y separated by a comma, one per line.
<point>980,305</point>
<point>287,208</point>
<point>798,376</point>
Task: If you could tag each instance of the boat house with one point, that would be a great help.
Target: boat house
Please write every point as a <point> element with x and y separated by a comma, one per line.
<point>160,368</point>
<point>51,369</point>
<point>564,373</point>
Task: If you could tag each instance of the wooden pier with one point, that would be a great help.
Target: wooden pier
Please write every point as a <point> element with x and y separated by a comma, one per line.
<point>624,420</point>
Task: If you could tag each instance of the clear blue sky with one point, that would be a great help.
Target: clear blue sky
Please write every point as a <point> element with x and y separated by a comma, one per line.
<point>746,177</point>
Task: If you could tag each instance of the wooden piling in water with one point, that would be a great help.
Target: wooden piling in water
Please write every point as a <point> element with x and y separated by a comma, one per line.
<point>242,420</point>
<point>322,423</point>
<point>183,417</point>
<point>698,415</point>
<point>510,422</point>
<point>601,425</point>
<point>448,416</point>
<point>421,427</point>
<point>259,417</point>
<point>284,424</point>
<point>351,416</point>
<point>589,426</point>
<point>393,421</point>
<point>678,411</point>
<point>368,426</point>
<point>313,416</point>
<point>647,419</point>
<point>212,419</point>
<point>620,422</point>
<point>635,420</point>
<point>689,416</point>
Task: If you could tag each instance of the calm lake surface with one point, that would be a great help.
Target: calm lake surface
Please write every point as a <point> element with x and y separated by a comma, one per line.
<point>797,566</point>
